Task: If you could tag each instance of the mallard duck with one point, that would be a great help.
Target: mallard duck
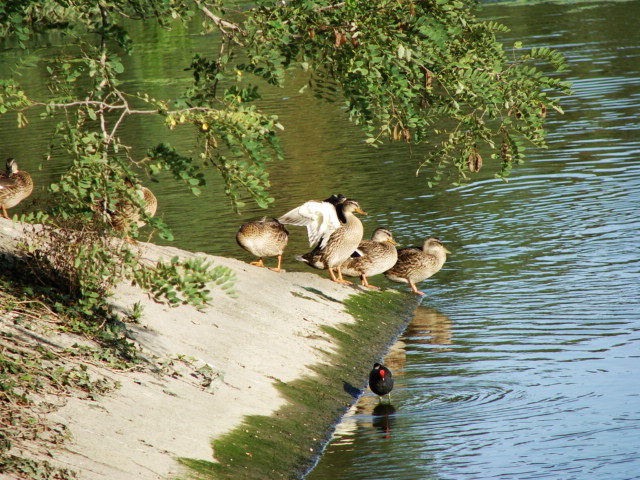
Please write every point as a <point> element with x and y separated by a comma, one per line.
<point>381,381</point>
<point>320,217</point>
<point>372,257</point>
<point>15,186</point>
<point>416,264</point>
<point>334,239</point>
<point>127,214</point>
<point>263,238</point>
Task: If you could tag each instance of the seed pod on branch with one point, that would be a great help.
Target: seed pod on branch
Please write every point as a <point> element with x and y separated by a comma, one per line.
<point>338,38</point>
<point>474,161</point>
<point>505,152</point>
<point>428,79</point>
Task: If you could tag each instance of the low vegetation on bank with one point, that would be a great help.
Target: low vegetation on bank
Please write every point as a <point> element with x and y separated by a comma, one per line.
<point>56,322</point>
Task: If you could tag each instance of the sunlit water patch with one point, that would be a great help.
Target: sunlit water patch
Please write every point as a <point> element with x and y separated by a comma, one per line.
<point>523,365</point>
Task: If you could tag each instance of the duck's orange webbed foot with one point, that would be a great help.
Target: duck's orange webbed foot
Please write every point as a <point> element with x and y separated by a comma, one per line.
<point>279,267</point>
<point>257,263</point>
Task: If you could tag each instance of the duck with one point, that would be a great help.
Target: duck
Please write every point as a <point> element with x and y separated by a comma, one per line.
<point>381,381</point>
<point>15,186</point>
<point>127,214</point>
<point>372,257</point>
<point>334,232</point>
<point>320,217</point>
<point>416,264</point>
<point>263,238</point>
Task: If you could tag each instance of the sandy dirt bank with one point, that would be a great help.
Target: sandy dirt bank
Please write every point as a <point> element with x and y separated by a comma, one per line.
<point>271,331</point>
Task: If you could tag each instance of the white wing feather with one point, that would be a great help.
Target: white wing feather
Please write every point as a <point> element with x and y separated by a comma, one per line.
<point>320,218</point>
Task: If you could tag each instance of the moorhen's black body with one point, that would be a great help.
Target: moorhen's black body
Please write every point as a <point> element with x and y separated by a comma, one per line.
<point>381,381</point>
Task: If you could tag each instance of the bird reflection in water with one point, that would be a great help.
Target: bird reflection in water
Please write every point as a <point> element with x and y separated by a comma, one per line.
<point>428,327</point>
<point>384,418</point>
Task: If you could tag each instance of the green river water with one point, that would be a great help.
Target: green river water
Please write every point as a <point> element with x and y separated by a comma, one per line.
<point>522,360</point>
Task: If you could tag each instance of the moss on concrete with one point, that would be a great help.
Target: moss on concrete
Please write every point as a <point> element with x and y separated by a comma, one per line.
<point>287,444</point>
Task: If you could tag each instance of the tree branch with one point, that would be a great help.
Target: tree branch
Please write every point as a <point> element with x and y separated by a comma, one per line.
<point>224,24</point>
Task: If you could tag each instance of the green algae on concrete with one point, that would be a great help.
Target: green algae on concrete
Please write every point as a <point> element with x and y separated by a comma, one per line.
<point>286,444</point>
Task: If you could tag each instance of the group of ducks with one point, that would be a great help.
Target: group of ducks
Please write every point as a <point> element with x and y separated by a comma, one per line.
<point>335,235</point>
<point>16,185</point>
<point>334,232</point>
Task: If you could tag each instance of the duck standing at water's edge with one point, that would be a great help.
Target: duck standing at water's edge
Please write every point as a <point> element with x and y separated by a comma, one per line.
<point>332,228</point>
<point>416,264</point>
<point>264,238</point>
<point>372,257</point>
<point>15,186</point>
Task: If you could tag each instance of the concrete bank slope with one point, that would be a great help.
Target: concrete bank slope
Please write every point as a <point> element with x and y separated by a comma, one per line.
<point>249,388</point>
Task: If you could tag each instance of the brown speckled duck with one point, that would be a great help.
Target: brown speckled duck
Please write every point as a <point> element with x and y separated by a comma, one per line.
<point>334,230</point>
<point>263,238</point>
<point>416,264</point>
<point>128,214</point>
<point>372,257</point>
<point>15,186</point>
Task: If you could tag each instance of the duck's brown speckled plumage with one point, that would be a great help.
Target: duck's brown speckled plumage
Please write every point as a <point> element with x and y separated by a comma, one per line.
<point>337,243</point>
<point>415,264</point>
<point>263,238</point>
<point>372,257</point>
<point>128,214</point>
<point>15,186</point>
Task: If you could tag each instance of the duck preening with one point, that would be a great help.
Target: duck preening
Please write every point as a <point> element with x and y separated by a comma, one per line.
<point>127,214</point>
<point>15,186</point>
<point>416,264</point>
<point>381,381</point>
<point>124,213</point>
<point>333,230</point>
<point>372,257</point>
<point>264,238</point>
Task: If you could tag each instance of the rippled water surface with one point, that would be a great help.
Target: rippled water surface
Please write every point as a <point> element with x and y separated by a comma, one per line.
<point>522,361</point>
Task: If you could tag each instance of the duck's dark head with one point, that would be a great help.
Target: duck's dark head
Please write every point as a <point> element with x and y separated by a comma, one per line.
<point>12,166</point>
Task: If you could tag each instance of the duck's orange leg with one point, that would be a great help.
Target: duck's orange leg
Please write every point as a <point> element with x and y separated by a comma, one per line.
<point>365,283</point>
<point>279,267</point>
<point>332,275</point>
<point>340,279</point>
<point>258,263</point>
